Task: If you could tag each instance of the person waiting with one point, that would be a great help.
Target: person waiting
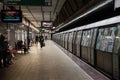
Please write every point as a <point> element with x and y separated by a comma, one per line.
<point>41,40</point>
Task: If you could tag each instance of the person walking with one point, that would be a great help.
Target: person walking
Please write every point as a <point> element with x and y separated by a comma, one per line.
<point>41,40</point>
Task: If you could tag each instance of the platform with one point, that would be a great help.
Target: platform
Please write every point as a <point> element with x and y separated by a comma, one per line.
<point>48,63</point>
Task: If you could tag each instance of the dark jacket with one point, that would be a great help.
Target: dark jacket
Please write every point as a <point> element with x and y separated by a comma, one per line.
<point>3,44</point>
<point>41,39</point>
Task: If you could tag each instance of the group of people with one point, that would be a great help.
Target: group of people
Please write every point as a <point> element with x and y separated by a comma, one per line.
<point>21,45</point>
<point>41,40</point>
<point>5,51</point>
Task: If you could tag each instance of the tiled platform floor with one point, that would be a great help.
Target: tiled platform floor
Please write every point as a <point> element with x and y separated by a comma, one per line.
<point>48,63</point>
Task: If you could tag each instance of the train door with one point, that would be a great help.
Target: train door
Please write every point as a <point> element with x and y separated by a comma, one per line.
<point>57,39</point>
<point>88,42</point>
<point>116,55</point>
<point>104,49</point>
<point>91,46</point>
<point>63,40</point>
<point>74,43</point>
<point>66,40</point>
<point>60,40</point>
<point>70,41</point>
<point>89,37</point>
<point>84,45</point>
<point>78,42</point>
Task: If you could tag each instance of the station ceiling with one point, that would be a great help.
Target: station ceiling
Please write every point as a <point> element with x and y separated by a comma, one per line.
<point>36,14</point>
<point>59,11</point>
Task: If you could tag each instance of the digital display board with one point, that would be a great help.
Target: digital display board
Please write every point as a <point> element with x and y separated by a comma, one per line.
<point>47,24</point>
<point>11,16</point>
<point>29,2</point>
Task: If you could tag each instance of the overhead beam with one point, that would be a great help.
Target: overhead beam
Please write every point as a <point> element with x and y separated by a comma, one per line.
<point>55,7</point>
<point>42,13</point>
<point>31,14</point>
<point>50,16</point>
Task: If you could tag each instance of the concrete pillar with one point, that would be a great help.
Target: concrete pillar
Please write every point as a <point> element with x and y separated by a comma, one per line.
<point>11,37</point>
<point>20,34</point>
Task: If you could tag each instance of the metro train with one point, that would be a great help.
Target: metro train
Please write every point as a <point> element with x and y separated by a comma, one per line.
<point>98,44</point>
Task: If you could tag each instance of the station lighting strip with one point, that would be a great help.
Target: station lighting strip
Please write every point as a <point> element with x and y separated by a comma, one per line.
<point>31,26</point>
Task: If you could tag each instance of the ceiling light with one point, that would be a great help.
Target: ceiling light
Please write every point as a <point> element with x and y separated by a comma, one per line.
<point>53,27</point>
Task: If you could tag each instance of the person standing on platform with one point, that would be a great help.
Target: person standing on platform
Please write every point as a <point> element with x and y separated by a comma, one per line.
<point>45,37</point>
<point>36,40</point>
<point>3,49</point>
<point>41,40</point>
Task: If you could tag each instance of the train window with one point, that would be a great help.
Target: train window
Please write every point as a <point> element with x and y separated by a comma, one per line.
<point>99,38</point>
<point>89,36</point>
<point>117,40</point>
<point>94,34</point>
<point>110,37</point>
<point>71,39</point>
<point>106,38</point>
<point>86,39</point>
<point>78,37</point>
<point>66,40</point>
